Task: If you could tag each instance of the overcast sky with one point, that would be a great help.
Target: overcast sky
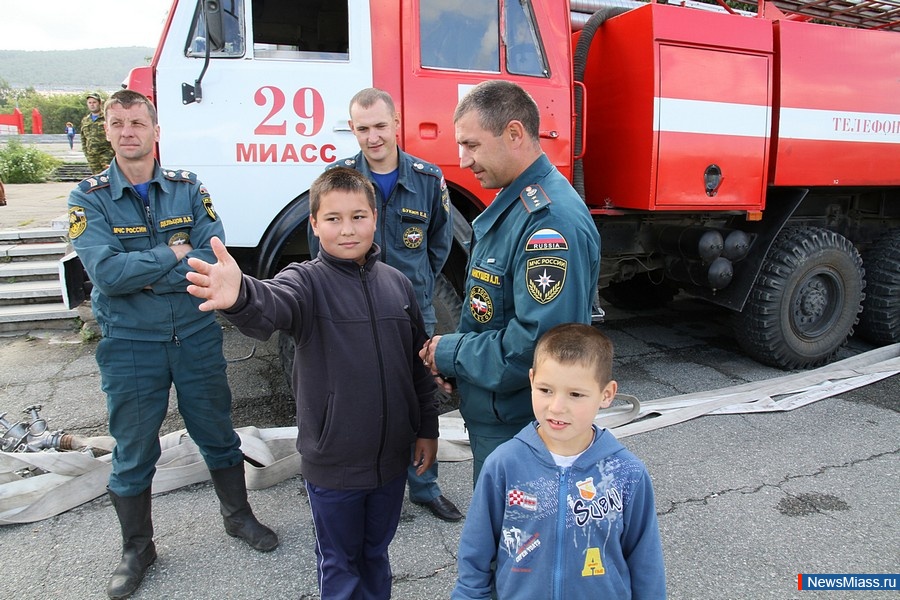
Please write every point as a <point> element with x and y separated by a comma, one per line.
<point>79,24</point>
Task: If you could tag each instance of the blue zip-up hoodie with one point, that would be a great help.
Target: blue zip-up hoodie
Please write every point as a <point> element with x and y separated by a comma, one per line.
<point>585,531</point>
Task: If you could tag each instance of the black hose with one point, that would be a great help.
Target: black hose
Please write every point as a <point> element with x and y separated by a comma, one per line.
<point>579,66</point>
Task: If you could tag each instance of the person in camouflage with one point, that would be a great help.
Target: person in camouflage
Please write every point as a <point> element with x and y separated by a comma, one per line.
<point>97,149</point>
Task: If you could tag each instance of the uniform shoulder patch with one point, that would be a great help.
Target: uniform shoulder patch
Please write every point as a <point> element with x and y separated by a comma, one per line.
<point>427,168</point>
<point>344,162</point>
<point>94,183</point>
<point>534,198</point>
<point>77,221</point>
<point>179,175</point>
<point>546,239</point>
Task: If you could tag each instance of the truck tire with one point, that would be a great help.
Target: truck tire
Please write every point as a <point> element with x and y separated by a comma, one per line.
<point>641,292</point>
<point>880,320</point>
<point>447,305</point>
<point>805,300</point>
<point>286,353</point>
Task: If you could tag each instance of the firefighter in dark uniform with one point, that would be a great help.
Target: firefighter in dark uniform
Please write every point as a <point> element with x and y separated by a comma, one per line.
<point>133,227</point>
<point>534,263</point>
<point>414,232</point>
<point>97,149</point>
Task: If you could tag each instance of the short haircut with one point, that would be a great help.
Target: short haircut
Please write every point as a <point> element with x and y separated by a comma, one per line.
<point>497,103</point>
<point>129,98</point>
<point>577,343</point>
<point>369,96</point>
<point>340,179</point>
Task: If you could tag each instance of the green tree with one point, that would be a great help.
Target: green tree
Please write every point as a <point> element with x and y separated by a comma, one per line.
<point>20,164</point>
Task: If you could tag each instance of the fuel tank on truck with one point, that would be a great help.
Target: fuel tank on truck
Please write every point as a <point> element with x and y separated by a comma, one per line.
<point>679,110</point>
<point>838,119</point>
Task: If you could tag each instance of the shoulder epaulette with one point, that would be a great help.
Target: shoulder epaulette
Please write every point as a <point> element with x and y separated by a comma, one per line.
<point>344,162</point>
<point>94,182</point>
<point>427,168</point>
<point>534,198</point>
<point>179,175</point>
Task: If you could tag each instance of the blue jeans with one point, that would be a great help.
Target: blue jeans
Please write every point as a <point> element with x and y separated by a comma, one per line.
<point>423,488</point>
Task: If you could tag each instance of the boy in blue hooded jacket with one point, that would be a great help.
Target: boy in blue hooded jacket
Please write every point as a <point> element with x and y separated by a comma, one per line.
<point>563,509</point>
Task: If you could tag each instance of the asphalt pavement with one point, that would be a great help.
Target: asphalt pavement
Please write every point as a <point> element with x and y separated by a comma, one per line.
<point>745,502</point>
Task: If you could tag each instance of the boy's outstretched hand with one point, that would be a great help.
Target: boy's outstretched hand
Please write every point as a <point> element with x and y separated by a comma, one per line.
<point>218,284</point>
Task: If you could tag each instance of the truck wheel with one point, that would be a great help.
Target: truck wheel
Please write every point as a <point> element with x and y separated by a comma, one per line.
<point>805,300</point>
<point>643,291</point>
<point>447,305</point>
<point>880,320</point>
<point>286,353</point>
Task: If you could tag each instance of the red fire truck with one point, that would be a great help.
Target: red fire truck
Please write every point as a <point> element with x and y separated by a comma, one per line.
<point>749,159</point>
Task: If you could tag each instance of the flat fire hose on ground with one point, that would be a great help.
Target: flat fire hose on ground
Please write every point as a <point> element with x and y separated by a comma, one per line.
<point>628,416</point>
<point>68,479</point>
<point>65,480</point>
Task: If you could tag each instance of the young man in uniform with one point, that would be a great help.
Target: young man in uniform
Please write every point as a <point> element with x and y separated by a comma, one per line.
<point>97,149</point>
<point>133,227</point>
<point>534,262</point>
<point>414,231</point>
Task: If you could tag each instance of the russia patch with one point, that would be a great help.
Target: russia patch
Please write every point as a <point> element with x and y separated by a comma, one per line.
<point>546,239</point>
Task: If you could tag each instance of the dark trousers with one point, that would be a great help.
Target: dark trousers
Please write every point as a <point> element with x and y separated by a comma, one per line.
<point>353,531</point>
<point>137,376</point>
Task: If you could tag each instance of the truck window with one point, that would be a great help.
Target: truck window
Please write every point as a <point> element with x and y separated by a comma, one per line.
<point>228,24</point>
<point>460,34</point>
<point>524,53</point>
<point>311,30</point>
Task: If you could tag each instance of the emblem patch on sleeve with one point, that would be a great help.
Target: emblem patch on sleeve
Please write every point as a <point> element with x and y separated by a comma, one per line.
<point>546,239</point>
<point>208,205</point>
<point>77,222</point>
<point>546,276</point>
<point>480,304</point>
<point>179,239</point>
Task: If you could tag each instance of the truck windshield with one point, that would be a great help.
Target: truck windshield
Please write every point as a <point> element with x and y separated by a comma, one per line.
<point>460,34</point>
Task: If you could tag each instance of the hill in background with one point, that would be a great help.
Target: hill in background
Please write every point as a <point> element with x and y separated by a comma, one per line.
<point>71,70</point>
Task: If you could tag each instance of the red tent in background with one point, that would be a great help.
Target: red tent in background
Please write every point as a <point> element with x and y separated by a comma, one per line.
<point>37,121</point>
<point>16,119</point>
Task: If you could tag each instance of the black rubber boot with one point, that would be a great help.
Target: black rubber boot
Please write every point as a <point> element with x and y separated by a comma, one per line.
<point>236,512</point>
<point>138,550</point>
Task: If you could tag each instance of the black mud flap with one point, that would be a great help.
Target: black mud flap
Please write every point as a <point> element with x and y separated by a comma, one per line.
<point>76,287</point>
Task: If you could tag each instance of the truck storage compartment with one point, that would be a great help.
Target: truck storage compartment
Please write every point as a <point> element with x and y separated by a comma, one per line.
<point>678,111</point>
<point>839,119</point>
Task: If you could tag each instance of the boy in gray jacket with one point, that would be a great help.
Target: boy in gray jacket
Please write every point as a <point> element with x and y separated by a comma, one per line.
<point>356,419</point>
